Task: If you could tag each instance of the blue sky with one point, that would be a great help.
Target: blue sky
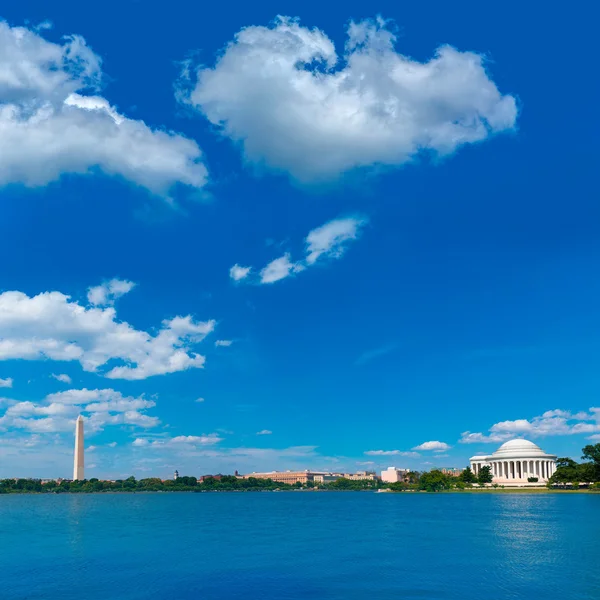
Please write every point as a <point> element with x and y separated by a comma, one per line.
<point>418,215</point>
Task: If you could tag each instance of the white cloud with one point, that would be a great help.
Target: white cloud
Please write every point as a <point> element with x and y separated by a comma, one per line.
<point>6,383</point>
<point>434,445</point>
<point>51,325</point>
<point>108,292</point>
<point>51,125</point>
<point>277,269</point>
<point>224,343</point>
<point>57,412</point>
<point>179,441</point>
<point>199,400</point>
<point>369,355</point>
<point>264,432</point>
<point>330,239</point>
<point>392,453</point>
<point>201,440</point>
<point>327,241</point>
<point>331,114</point>
<point>63,377</point>
<point>237,272</point>
<point>552,422</point>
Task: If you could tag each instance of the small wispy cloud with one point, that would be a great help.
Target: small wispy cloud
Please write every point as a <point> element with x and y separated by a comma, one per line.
<point>6,383</point>
<point>264,432</point>
<point>392,453</point>
<point>370,355</point>
<point>109,291</point>
<point>329,241</point>
<point>199,400</point>
<point>237,272</point>
<point>224,343</point>
<point>63,377</point>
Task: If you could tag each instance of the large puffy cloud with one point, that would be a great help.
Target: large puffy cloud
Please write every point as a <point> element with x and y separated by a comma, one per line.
<point>327,241</point>
<point>52,124</point>
<point>552,422</point>
<point>293,104</point>
<point>51,325</point>
<point>56,413</point>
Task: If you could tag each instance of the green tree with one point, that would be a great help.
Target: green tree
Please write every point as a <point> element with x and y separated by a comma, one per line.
<point>591,452</point>
<point>398,486</point>
<point>485,475</point>
<point>434,481</point>
<point>467,476</point>
<point>565,462</point>
<point>413,477</point>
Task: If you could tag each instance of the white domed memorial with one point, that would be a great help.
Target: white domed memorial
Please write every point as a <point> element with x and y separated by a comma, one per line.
<point>515,462</point>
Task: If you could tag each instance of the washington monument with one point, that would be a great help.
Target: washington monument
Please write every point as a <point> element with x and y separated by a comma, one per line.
<point>78,462</point>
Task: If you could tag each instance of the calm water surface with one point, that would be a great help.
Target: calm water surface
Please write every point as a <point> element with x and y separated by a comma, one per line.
<point>300,545</point>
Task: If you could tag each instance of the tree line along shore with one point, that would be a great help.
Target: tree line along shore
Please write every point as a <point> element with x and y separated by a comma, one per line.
<point>569,476</point>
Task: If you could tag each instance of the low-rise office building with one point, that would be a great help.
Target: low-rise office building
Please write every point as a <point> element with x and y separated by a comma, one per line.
<point>303,477</point>
<point>394,475</point>
<point>289,477</point>
<point>361,476</point>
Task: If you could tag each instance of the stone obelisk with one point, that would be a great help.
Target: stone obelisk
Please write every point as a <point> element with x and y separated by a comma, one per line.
<point>78,463</point>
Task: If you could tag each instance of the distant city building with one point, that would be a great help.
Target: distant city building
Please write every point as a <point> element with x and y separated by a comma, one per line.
<point>452,471</point>
<point>303,477</point>
<point>176,475</point>
<point>290,477</point>
<point>394,475</point>
<point>361,476</point>
<point>515,462</point>
<point>78,462</point>
<point>216,477</point>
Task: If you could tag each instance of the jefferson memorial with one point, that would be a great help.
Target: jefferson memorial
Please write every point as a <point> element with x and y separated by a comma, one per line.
<point>515,461</point>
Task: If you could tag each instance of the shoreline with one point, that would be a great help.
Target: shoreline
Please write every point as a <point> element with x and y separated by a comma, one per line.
<point>382,491</point>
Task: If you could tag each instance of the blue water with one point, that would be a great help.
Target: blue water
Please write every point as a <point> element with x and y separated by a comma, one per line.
<point>300,545</point>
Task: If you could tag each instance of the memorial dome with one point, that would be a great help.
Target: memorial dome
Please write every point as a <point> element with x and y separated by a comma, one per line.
<point>519,446</point>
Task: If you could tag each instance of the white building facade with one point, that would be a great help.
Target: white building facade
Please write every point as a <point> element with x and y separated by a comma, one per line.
<point>515,462</point>
<point>393,475</point>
